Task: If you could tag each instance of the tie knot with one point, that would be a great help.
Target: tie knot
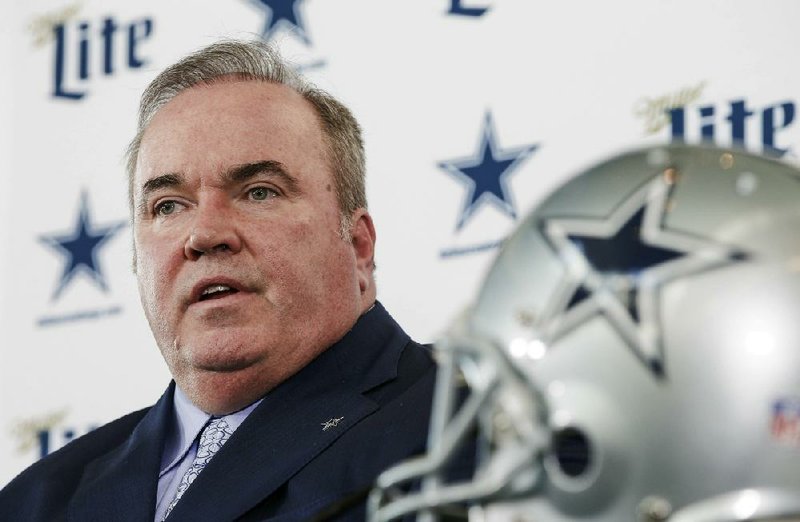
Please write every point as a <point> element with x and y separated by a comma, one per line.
<point>214,435</point>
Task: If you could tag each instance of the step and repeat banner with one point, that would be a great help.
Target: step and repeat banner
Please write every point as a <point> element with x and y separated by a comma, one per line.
<point>473,110</point>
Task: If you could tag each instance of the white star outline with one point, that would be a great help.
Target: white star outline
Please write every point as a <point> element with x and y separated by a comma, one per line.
<point>606,289</point>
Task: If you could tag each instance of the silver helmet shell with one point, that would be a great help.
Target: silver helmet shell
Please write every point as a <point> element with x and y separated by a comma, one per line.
<point>633,354</point>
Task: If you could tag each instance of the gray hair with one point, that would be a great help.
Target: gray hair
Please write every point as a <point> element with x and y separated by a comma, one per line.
<point>233,60</point>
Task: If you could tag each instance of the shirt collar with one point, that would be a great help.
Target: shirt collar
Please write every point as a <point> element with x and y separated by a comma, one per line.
<point>188,422</point>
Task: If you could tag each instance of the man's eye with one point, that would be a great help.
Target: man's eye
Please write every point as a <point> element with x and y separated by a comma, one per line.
<point>166,208</point>
<point>262,193</point>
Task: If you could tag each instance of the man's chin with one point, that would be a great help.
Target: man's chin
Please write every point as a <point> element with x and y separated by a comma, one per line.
<point>222,388</point>
<point>222,351</point>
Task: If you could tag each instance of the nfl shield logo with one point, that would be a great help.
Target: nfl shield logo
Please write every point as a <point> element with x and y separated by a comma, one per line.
<point>786,421</point>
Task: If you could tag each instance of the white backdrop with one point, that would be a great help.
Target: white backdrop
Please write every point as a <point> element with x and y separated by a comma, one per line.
<point>515,94</point>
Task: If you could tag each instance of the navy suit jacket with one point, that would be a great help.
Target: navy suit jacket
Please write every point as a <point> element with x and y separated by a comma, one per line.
<point>281,464</point>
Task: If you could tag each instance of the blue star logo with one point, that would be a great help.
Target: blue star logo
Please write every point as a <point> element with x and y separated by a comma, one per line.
<point>616,266</point>
<point>80,247</point>
<point>282,13</point>
<point>486,174</point>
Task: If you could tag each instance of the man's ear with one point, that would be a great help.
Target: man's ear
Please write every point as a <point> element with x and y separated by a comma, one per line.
<point>362,237</point>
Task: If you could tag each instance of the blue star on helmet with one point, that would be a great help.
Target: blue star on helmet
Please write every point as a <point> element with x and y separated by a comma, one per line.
<point>616,267</point>
<point>282,13</point>
<point>486,174</point>
<point>80,247</point>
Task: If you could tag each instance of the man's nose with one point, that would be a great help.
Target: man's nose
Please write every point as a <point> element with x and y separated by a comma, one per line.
<point>213,231</point>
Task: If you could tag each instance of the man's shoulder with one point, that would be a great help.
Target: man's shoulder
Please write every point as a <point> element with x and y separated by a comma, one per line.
<point>398,428</point>
<point>422,355</point>
<point>93,444</point>
<point>54,478</point>
<point>415,368</point>
<point>379,357</point>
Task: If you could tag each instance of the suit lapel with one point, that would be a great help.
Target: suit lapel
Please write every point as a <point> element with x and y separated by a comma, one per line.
<point>296,422</point>
<point>280,437</point>
<point>122,484</point>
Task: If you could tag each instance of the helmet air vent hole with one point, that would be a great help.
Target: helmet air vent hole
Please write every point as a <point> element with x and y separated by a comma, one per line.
<point>572,451</point>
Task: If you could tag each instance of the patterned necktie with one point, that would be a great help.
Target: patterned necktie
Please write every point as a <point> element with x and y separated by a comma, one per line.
<point>214,435</point>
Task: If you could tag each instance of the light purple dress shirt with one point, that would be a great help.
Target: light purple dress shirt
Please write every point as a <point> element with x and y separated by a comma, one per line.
<point>180,447</point>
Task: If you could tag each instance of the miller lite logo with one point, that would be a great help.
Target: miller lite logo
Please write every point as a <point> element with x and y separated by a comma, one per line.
<point>736,123</point>
<point>86,49</point>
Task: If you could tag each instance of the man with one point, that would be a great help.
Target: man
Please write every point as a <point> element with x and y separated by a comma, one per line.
<point>293,388</point>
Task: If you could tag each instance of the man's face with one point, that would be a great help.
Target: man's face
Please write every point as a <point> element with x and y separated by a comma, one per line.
<point>243,274</point>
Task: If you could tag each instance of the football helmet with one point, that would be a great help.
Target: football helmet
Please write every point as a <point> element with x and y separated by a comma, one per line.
<point>633,354</point>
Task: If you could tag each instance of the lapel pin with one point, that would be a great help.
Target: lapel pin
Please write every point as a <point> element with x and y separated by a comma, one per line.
<point>331,423</point>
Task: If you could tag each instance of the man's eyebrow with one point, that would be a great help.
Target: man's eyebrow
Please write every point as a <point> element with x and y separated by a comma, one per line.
<point>246,171</point>
<point>154,184</point>
<point>159,182</point>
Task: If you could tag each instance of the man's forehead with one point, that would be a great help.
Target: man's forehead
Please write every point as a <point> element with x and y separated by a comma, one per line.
<point>233,110</point>
<point>242,107</point>
<point>227,93</point>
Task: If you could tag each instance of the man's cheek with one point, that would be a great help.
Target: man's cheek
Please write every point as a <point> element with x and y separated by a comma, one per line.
<point>151,286</point>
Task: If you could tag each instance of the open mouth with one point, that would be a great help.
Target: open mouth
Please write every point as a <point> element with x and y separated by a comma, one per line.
<point>216,292</point>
